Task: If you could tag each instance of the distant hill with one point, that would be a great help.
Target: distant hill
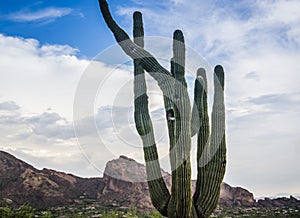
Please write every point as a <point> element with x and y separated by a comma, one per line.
<point>22,183</point>
<point>123,185</point>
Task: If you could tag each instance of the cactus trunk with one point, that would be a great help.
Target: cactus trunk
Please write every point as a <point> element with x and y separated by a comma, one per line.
<point>182,122</point>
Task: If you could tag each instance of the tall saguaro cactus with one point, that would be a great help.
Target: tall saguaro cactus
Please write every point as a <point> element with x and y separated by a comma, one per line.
<point>183,123</point>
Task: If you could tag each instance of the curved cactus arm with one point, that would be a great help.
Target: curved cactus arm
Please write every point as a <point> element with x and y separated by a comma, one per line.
<point>145,58</point>
<point>158,191</point>
<point>213,157</point>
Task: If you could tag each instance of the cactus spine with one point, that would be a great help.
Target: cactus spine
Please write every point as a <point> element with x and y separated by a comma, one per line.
<point>183,123</point>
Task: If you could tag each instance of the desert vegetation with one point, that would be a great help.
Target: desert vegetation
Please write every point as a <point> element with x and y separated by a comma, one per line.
<point>94,210</point>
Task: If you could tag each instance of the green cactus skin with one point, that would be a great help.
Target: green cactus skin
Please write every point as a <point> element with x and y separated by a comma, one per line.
<point>182,108</point>
<point>210,171</point>
<point>182,122</point>
<point>158,191</point>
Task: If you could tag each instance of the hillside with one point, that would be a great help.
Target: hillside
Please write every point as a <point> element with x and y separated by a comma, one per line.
<point>123,186</point>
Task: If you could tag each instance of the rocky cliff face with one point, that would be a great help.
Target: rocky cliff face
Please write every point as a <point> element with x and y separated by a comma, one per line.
<point>21,183</point>
<point>123,185</point>
<point>126,184</point>
<point>235,196</point>
<point>124,175</point>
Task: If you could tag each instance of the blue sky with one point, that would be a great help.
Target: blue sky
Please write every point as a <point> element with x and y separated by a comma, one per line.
<point>76,23</point>
<point>46,65</point>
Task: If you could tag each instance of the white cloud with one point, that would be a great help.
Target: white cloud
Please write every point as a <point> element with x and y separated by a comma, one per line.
<point>37,87</point>
<point>49,14</point>
<point>39,76</point>
<point>47,137</point>
<point>9,105</point>
<point>38,84</point>
<point>57,50</point>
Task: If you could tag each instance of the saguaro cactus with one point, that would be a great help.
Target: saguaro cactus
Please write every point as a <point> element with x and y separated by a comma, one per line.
<point>183,123</point>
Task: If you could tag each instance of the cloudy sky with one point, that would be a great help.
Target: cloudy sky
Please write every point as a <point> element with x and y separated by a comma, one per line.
<point>60,68</point>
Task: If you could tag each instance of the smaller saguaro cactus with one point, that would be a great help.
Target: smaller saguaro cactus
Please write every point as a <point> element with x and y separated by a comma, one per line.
<point>183,122</point>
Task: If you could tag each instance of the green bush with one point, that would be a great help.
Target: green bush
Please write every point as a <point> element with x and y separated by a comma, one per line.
<point>25,211</point>
<point>6,212</point>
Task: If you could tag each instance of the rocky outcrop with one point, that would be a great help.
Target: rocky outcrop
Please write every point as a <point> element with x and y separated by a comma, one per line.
<point>125,174</point>
<point>123,185</point>
<point>235,196</point>
<point>21,183</point>
<point>126,184</point>
<point>128,171</point>
<point>279,202</point>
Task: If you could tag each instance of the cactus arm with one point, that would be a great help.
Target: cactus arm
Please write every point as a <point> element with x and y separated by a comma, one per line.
<point>200,102</point>
<point>211,174</point>
<point>119,34</point>
<point>146,60</point>
<point>217,166</point>
<point>200,107</point>
<point>138,31</point>
<point>195,121</point>
<point>158,191</point>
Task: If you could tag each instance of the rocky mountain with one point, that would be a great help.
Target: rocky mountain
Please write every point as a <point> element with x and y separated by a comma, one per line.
<point>123,185</point>
<point>235,196</point>
<point>21,183</point>
<point>124,175</point>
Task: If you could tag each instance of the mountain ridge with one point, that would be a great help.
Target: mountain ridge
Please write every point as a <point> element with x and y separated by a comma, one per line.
<point>123,185</point>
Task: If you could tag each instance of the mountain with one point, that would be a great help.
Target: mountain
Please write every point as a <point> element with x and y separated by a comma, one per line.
<point>121,176</point>
<point>123,185</point>
<point>21,183</point>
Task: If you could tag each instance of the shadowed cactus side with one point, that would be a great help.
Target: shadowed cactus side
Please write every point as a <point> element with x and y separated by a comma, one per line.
<point>183,123</point>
